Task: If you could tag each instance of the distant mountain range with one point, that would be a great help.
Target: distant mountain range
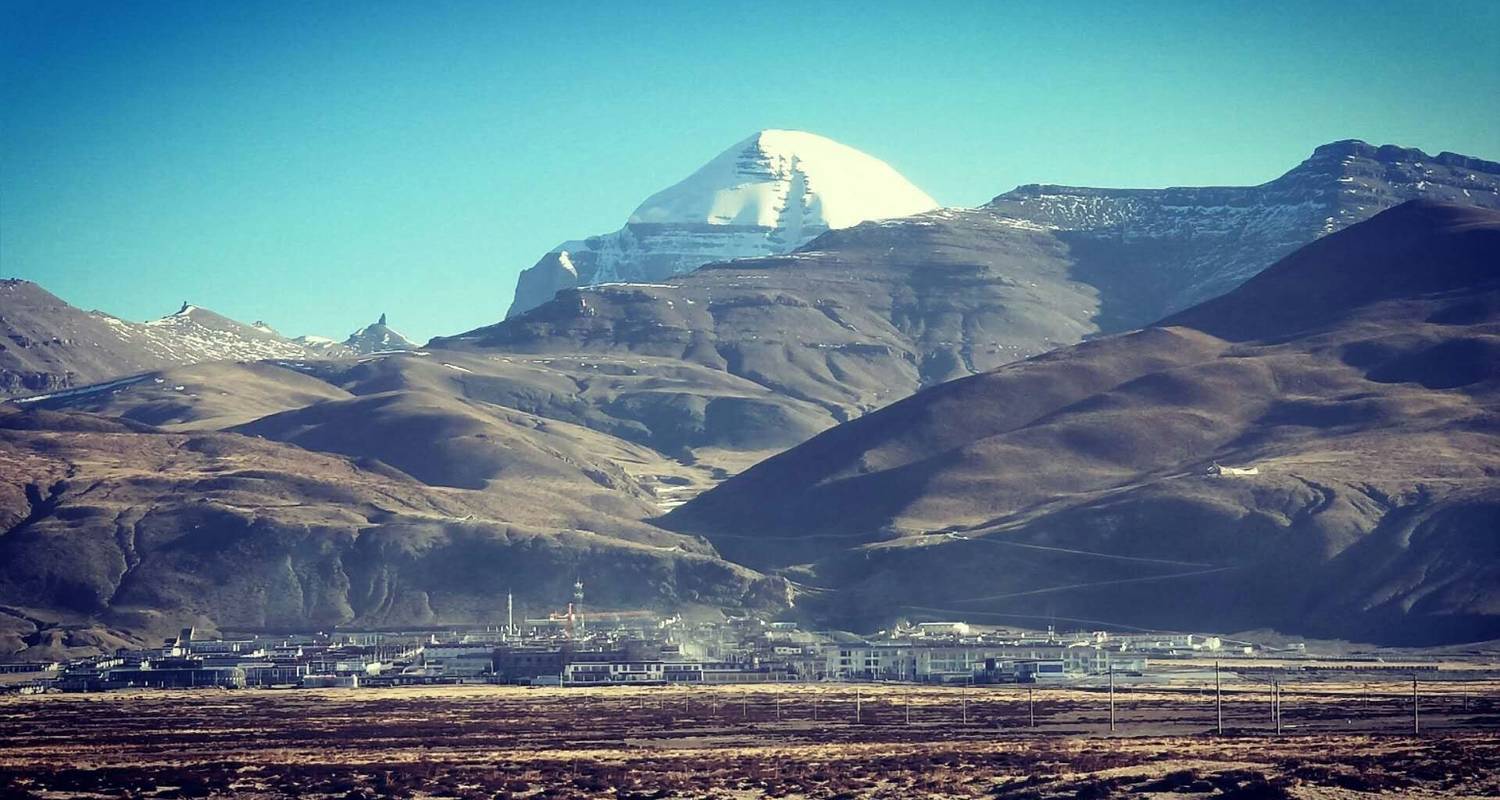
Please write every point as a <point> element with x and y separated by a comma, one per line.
<point>863,316</point>
<point>377,337</point>
<point>50,346</point>
<point>196,470</point>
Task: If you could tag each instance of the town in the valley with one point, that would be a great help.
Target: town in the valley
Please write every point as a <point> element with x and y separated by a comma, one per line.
<point>572,648</point>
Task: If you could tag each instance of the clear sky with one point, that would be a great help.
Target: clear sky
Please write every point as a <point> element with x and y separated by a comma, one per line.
<point>314,164</point>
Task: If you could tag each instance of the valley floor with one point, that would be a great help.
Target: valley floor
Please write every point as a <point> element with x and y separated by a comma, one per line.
<point>1345,739</point>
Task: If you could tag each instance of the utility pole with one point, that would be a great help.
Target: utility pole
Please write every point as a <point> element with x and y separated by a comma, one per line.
<point>778,707</point>
<point>1111,698</point>
<point>578,601</point>
<point>745,706</point>
<point>857,703</point>
<point>1278,708</point>
<point>1416,723</point>
<point>966,705</point>
<point>1218,699</point>
<point>1031,706</point>
<point>908,707</point>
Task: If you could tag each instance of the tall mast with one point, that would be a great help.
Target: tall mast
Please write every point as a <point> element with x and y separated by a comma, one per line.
<point>578,603</point>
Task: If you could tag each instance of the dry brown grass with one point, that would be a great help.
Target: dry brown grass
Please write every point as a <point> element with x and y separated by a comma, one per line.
<point>726,742</point>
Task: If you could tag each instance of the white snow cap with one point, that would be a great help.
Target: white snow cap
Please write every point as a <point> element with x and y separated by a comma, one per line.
<point>789,180</point>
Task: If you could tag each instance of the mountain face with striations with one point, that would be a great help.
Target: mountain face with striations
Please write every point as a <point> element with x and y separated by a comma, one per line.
<point>768,194</point>
<point>1154,251</point>
<point>1354,386</point>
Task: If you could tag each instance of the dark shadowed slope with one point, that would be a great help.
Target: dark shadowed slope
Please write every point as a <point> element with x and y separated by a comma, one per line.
<point>1424,250</point>
<point>1358,378</point>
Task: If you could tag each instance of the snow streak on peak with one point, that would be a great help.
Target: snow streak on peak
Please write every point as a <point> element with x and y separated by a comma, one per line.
<point>789,180</point>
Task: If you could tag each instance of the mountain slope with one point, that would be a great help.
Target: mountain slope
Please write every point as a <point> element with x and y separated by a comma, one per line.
<point>194,334</point>
<point>767,194</point>
<point>49,345</point>
<point>208,396</point>
<point>1075,485</point>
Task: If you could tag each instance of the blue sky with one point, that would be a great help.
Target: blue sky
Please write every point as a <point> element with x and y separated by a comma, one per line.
<point>314,164</point>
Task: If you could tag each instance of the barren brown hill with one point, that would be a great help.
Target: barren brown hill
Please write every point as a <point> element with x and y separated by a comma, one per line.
<point>1357,378</point>
<point>110,526</point>
<point>859,319</point>
<point>705,418</point>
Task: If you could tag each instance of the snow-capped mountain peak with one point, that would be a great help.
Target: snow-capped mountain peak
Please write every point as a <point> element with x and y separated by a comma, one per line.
<point>787,179</point>
<point>768,194</point>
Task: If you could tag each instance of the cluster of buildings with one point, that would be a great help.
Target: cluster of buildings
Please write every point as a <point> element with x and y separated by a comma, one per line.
<point>647,650</point>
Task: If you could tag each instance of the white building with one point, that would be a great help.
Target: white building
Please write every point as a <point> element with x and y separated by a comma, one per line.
<point>631,672</point>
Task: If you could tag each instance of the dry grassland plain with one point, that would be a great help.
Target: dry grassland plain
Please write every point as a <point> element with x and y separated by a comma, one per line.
<point>1343,739</point>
